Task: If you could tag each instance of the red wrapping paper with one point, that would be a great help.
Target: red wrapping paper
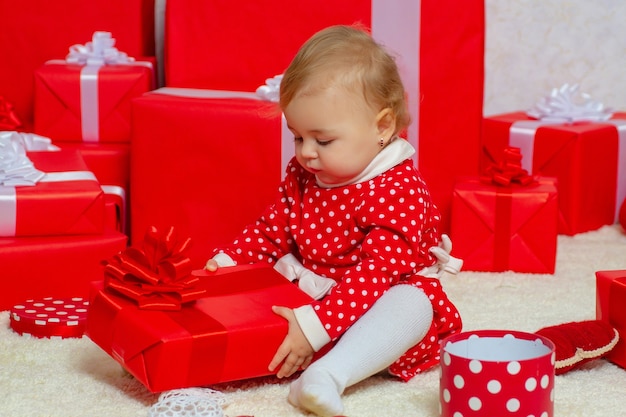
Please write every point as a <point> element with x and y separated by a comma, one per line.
<point>210,165</point>
<point>54,208</point>
<point>231,334</point>
<point>110,162</point>
<point>58,112</point>
<point>55,266</point>
<point>50,317</point>
<point>582,156</point>
<point>610,299</point>
<point>446,100</point>
<point>498,228</point>
<point>52,29</point>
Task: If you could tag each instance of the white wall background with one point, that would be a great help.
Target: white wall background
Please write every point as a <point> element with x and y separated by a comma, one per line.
<point>533,46</point>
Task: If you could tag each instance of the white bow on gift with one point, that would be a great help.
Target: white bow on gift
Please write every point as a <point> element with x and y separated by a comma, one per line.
<point>100,51</point>
<point>16,169</point>
<point>562,105</point>
<point>270,91</point>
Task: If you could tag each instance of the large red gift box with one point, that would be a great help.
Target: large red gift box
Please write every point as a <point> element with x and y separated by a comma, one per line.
<point>439,45</point>
<point>53,266</point>
<point>587,158</point>
<point>610,301</point>
<point>497,228</point>
<point>36,31</point>
<point>83,103</point>
<point>229,334</point>
<point>67,200</point>
<point>208,165</point>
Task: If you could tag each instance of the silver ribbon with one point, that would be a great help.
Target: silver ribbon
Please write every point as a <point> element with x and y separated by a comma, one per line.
<point>566,105</point>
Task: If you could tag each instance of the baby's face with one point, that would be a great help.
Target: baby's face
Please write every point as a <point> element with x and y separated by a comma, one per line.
<point>336,133</point>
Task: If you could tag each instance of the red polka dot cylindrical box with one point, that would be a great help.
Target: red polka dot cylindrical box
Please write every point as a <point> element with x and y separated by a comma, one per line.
<point>50,317</point>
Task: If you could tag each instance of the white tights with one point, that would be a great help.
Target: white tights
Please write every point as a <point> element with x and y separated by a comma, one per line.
<point>397,321</point>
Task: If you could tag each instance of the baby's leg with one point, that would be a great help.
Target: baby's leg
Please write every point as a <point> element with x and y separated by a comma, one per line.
<point>394,324</point>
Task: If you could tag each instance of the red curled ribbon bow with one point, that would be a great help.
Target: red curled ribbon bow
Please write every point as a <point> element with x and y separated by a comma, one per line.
<point>508,171</point>
<point>8,118</point>
<point>157,276</point>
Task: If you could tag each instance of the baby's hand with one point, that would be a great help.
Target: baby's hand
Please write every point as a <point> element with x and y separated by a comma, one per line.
<point>211,265</point>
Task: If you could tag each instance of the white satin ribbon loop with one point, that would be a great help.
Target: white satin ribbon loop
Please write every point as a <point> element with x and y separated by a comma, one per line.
<point>309,282</point>
<point>563,105</point>
<point>100,51</point>
<point>16,169</point>
<point>270,91</point>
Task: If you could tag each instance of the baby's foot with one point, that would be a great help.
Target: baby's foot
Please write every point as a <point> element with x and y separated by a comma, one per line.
<point>316,391</point>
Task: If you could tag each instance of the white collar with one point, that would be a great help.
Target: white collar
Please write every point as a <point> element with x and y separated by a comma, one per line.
<point>391,155</point>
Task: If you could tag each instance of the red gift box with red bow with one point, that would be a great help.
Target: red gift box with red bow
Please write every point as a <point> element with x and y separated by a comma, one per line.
<point>588,159</point>
<point>506,220</point>
<point>151,312</point>
<point>610,301</point>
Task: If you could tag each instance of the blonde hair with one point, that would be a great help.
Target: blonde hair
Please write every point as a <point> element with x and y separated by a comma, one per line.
<point>349,57</point>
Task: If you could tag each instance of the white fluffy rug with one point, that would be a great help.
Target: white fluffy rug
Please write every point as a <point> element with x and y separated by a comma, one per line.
<point>73,377</point>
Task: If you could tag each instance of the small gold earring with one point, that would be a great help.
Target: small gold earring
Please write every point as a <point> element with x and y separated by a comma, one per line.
<point>382,142</point>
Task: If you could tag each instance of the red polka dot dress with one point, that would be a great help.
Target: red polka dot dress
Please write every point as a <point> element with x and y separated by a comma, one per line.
<point>367,236</point>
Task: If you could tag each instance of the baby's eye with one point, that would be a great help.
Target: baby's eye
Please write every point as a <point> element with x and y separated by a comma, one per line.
<point>323,142</point>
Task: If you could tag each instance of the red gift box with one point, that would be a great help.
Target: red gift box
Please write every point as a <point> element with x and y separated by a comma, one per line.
<point>440,49</point>
<point>87,103</point>
<point>496,228</point>
<point>50,317</point>
<point>610,299</point>
<point>36,31</point>
<point>230,334</point>
<point>67,200</point>
<point>209,165</point>
<point>587,158</point>
<point>54,266</point>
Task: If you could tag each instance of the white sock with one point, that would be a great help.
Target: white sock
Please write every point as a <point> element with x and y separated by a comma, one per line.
<point>395,323</point>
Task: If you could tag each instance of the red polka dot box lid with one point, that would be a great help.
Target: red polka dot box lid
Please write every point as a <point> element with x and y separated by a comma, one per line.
<point>497,373</point>
<point>50,317</point>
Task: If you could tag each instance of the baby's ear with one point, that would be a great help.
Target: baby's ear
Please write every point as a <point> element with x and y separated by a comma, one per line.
<point>580,342</point>
<point>386,123</point>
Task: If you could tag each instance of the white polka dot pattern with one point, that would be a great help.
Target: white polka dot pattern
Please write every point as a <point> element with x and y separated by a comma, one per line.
<point>497,373</point>
<point>366,236</point>
<point>50,317</point>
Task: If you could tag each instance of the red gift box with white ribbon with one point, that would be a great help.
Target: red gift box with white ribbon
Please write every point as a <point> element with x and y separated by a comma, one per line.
<point>50,317</point>
<point>585,150</point>
<point>65,199</point>
<point>38,30</point>
<point>610,301</point>
<point>439,48</point>
<point>152,311</point>
<point>87,96</point>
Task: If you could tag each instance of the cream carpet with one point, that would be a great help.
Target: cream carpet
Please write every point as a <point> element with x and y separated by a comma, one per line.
<point>74,378</point>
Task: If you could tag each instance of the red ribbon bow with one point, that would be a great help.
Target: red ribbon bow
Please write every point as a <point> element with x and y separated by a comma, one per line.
<point>509,171</point>
<point>8,118</point>
<point>157,276</point>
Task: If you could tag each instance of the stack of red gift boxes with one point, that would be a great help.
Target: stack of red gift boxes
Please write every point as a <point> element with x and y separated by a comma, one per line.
<point>52,84</point>
<point>206,153</point>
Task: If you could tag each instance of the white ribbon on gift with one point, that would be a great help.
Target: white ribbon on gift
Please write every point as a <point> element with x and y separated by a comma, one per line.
<point>397,25</point>
<point>287,148</point>
<point>8,197</point>
<point>92,56</point>
<point>16,169</point>
<point>559,108</point>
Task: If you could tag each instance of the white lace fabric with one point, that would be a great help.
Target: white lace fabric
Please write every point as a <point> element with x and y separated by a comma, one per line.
<point>189,402</point>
